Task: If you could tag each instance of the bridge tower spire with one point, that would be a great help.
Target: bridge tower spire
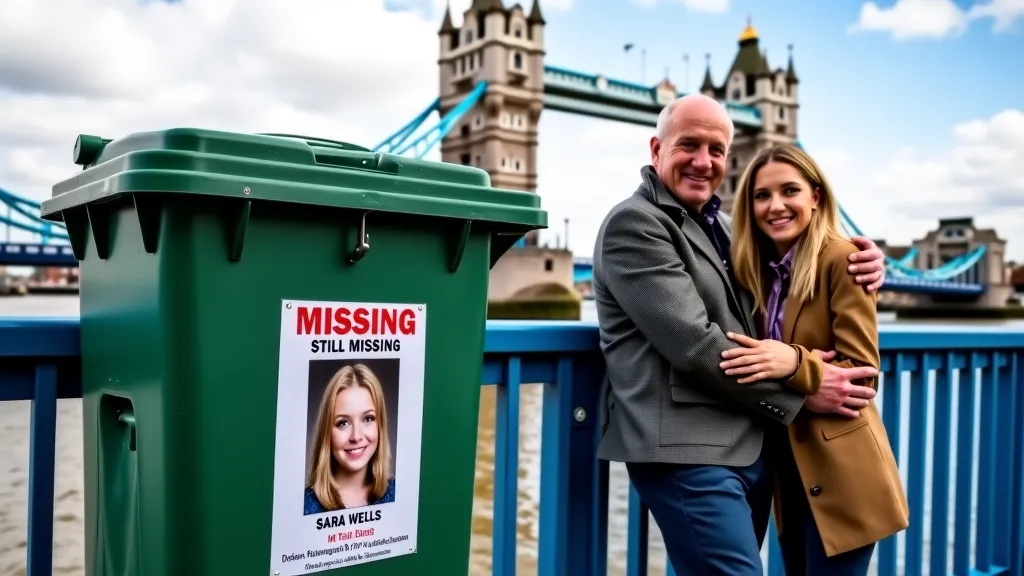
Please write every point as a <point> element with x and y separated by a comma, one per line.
<point>751,81</point>
<point>505,48</point>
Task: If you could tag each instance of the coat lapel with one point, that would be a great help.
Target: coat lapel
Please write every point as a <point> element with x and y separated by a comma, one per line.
<point>791,312</point>
<point>746,301</point>
<point>698,238</point>
<point>693,232</point>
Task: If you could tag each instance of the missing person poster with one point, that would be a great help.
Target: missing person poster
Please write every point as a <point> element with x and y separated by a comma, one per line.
<point>349,423</point>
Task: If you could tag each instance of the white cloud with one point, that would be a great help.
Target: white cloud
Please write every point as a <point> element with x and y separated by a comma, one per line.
<point>351,71</point>
<point>913,19</point>
<point>1003,13</point>
<point>122,66</point>
<point>344,70</point>
<point>695,5</point>
<point>587,166</point>
<point>908,19</point>
<point>901,197</point>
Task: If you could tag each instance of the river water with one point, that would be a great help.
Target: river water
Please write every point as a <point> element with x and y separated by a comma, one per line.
<point>69,551</point>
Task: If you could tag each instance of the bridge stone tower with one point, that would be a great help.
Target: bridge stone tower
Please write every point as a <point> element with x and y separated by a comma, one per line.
<point>957,236</point>
<point>752,81</point>
<point>505,48</point>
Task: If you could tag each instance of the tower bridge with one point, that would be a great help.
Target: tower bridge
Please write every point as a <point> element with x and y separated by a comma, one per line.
<point>494,84</point>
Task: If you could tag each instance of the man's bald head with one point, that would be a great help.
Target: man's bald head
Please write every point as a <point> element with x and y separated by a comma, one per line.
<point>691,147</point>
<point>693,106</point>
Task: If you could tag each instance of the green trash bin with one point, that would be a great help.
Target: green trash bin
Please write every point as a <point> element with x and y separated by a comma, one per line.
<point>264,391</point>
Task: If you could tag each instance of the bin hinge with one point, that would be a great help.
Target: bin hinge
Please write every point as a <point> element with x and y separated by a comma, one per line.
<point>459,247</point>
<point>238,224</point>
<point>99,221</point>
<point>362,242</point>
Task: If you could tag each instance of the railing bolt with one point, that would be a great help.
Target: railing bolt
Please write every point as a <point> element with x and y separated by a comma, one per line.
<point>579,414</point>
<point>246,191</point>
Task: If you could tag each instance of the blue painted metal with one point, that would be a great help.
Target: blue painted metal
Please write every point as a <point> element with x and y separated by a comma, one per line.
<point>42,462</point>
<point>908,258</point>
<point>901,269</point>
<point>601,97</point>
<point>424,143</point>
<point>391,143</point>
<point>39,362</point>
<point>29,210</point>
<point>22,254</point>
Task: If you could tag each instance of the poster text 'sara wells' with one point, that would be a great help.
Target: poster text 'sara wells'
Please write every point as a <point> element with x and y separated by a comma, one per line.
<point>349,421</point>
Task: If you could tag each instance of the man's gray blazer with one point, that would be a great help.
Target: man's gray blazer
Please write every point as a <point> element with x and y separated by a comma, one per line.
<point>664,303</point>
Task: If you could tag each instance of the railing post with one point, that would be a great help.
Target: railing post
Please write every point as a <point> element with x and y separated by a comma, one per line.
<point>892,404</point>
<point>1006,397</point>
<point>965,464</point>
<point>574,484</point>
<point>637,533</point>
<point>941,470</point>
<point>41,467</point>
<point>988,439</point>
<point>506,471</point>
<point>917,453</point>
<point>588,508</point>
<point>555,469</point>
<point>1017,499</point>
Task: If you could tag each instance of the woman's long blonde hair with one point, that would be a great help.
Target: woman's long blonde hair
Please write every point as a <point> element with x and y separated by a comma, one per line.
<point>320,477</point>
<point>750,244</point>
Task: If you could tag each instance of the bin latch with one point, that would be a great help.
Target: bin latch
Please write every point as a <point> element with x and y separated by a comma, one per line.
<point>362,244</point>
<point>128,419</point>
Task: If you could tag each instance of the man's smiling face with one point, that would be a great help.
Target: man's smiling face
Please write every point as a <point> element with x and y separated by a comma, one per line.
<point>690,159</point>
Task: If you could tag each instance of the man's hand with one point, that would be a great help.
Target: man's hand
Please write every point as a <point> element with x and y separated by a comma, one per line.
<point>763,359</point>
<point>871,270</point>
<point>836,394</point>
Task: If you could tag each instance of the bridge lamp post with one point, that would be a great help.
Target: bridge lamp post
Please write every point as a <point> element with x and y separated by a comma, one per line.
<point>686,72</point>
<point>643,60</point>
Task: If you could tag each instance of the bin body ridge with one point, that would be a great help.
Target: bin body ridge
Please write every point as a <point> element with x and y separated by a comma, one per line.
<point>181,314</point>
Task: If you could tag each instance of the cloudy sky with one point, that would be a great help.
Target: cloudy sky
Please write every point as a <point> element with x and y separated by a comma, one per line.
<point>915,107</point>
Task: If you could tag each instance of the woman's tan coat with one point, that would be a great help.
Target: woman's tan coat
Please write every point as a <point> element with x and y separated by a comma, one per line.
<point>847,466</point>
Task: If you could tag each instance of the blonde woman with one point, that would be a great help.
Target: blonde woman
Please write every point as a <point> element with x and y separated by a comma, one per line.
<point>838,491</point>
<point>351,459</point>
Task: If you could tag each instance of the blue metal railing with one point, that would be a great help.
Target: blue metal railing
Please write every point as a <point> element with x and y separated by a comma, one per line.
<point>940,387</point>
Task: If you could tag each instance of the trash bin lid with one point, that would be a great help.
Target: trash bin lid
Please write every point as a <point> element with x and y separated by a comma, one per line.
<point>285,168</point>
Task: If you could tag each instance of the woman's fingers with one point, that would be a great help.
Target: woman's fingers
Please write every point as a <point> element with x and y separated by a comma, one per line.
<point>741,339</point>
<point>754,378</point>
<point>754,357</point>
<point>751,369</point>
<point>737,352</point>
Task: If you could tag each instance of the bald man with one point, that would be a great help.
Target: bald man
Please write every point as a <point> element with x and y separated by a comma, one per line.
<point>692,437</point>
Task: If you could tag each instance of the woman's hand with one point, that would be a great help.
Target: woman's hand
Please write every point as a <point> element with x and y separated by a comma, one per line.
<point>762,359</point>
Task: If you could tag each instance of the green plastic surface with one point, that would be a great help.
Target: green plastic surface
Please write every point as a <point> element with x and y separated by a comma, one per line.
<point>182,278</point>
<point>288,169</point>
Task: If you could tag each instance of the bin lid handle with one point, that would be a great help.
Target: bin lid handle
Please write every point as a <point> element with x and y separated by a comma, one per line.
<point>316,140</point>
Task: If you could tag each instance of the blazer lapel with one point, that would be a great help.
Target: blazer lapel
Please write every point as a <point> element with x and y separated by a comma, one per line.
<point>791,312</point>
<point>698,238</point>
<point>746,301</point>
<point>693,232</point>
